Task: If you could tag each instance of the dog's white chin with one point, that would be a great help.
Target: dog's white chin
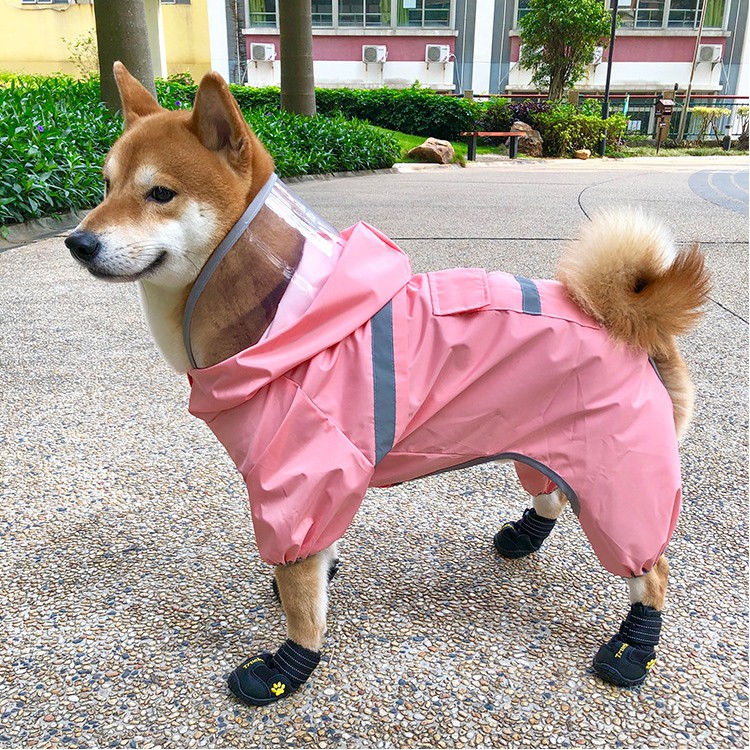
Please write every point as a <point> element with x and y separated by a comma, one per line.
<point>126,275</point>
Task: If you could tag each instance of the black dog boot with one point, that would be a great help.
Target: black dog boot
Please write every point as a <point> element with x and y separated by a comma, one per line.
<point>267,678</point>
<point>520,538</point>
<point>627,658</point>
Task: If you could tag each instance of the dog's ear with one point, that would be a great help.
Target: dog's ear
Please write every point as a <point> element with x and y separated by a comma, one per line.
<point>136,100</point>
<point>219,124</point>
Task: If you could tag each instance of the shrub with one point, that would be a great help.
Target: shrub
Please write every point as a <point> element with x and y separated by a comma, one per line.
<point>709,117</point>
<point>50,156</point>
<point>414,110</point>
<point>496,115</point>
<point>55,133</point>
<point>565,129</point>
<point>311,145</point>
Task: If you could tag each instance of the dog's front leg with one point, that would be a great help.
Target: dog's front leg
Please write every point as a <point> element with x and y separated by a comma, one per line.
<point>627,657</point>
<point>303,588</point>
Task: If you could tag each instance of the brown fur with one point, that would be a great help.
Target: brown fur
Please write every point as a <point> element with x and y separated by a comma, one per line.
<point>653,585</point>
<point>626,286</point>
<point>303,590</point>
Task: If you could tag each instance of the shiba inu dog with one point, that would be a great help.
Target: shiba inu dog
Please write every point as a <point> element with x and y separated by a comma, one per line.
<point>325,366</point>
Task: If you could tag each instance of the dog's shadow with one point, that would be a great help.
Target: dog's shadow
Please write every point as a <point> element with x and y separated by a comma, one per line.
<point>436,575</point>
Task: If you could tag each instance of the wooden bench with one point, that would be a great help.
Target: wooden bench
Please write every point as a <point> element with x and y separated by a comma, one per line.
<point>514,135</point>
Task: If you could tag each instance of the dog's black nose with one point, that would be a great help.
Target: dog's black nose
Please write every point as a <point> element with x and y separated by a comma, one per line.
<point>83,245</point>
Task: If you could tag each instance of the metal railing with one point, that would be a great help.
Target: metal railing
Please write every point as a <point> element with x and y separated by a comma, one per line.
<point>640,111</point>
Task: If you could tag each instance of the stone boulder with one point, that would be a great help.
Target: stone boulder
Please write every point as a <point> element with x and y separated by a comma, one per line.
<point>435,151</point>
<point>581,153</point>
<point>529,144</point>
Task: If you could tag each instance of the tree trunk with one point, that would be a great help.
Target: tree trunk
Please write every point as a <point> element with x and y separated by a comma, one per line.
<point>297,81</point>
<point>121,34</point>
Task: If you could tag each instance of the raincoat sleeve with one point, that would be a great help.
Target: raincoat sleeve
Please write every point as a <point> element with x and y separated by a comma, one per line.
<point>305,479</point>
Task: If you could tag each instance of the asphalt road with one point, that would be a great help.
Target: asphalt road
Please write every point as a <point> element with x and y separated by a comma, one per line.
<point>131,585</point>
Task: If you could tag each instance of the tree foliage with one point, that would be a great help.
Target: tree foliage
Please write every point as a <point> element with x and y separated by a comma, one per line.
<point>559,37</point>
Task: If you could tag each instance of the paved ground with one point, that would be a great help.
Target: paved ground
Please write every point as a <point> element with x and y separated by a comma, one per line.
<point>130,581</point>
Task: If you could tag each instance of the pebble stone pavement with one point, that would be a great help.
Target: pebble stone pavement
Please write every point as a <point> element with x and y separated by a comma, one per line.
<point>130,584</point>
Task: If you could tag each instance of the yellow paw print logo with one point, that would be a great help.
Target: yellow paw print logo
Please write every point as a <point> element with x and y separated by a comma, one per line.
<point>650,663</point>
<point>278,688</point>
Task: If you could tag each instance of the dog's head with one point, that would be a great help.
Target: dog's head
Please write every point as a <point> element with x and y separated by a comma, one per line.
<point>175,183</point>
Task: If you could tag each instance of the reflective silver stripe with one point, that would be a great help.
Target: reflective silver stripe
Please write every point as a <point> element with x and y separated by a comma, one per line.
<point>531,303</point>
<point>217,256</point>
<point>384,381</point>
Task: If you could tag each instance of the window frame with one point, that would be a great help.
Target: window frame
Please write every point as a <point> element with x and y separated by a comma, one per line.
<point>392,26</point>
<point>665,23</point>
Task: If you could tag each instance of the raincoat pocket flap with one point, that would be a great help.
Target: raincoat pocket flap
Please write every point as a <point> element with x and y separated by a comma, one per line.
<point>458,290</point>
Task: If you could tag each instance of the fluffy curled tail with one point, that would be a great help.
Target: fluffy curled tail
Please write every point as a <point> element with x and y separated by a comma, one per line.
<point>624,271</point>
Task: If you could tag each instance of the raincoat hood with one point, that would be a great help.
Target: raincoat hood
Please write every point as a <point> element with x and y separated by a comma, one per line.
<point>361,262</point>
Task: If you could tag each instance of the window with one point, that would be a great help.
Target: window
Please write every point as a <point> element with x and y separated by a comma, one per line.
<point>658,14</point>
<point>683,13</point>
<point>649,14</point>
<point>714,14</point>
<point>364,12</point>
<point>523,9</point>
<point>261,13</point>
<point>424,14</point>
<point>322,13</point>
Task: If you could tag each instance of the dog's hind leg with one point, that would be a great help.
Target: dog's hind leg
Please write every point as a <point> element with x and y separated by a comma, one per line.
<point>626,659</point>
<point>303,588</point>
<point>520,538</point>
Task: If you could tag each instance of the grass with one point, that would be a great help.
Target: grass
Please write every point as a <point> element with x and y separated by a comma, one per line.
<point>407,142</point>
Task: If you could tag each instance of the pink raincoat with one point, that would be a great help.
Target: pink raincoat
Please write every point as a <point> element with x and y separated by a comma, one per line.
<point>390,376</point>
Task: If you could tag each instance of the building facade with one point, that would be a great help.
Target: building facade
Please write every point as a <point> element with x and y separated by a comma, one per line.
<point>360,43</point>
<point>447,45</point>
<point>461,45</point>
<point>36,35</point>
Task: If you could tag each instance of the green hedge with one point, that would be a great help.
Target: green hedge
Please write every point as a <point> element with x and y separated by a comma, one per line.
<point>54,134</point>
<point>415,110</point>
<point>563,127</point>
<point>314,145</point>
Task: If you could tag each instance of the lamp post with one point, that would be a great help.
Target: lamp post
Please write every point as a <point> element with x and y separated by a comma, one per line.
<point>605,103</point>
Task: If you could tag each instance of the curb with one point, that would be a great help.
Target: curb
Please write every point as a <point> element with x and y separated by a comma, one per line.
<point>39,229</point>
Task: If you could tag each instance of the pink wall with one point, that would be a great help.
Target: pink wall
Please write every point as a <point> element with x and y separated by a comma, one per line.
<point>400,48</point>
<point>645,48</point>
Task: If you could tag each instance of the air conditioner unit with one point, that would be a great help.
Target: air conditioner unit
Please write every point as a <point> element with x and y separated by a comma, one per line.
<point>710,53</point>
<point>598,55</point>
<point>262,52</point>
<point>374,53</point>
<point>436,53</point>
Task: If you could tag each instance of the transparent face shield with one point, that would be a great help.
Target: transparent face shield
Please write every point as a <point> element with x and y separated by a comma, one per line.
<point>263,275</point>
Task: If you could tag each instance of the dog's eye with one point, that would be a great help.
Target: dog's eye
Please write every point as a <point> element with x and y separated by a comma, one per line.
<point>161,194</point>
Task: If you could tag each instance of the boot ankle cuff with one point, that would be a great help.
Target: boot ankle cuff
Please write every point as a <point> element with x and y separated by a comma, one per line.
<point>642,626</point>
<point>536,526</point>
<point>296,662</point>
